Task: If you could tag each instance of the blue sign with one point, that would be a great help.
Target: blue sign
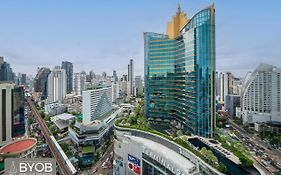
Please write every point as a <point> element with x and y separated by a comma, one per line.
<point>134,160</point>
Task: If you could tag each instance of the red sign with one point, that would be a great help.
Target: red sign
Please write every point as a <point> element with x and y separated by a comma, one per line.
<point>137,169</point>
<point>134,168</point>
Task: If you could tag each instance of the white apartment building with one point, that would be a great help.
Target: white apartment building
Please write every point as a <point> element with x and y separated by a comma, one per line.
<point>56,85</point>
<point>224,85</point>
<point>261,95</point>
<point>96,102</point>
<point>115,91</point>
<point>79,82</point>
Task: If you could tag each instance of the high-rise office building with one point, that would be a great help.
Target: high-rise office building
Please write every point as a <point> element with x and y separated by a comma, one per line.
<point>231,103</point>
<point>12,120</point>
<point>68,67</point>
<point>41,81</point>
<point>123,87</point>
<point>124,78</point>
<point>104,76</point>
<point>138,85</point>
<point>97,102</point>
<point>261,95</point>
<point>57,85</point>
<point>6,72</point>
<point>237,86</point>
<point>92,75</point>
<point>22,79</point>
<point>180,72</point>
<point>114,76</point>
<point>131,78</point>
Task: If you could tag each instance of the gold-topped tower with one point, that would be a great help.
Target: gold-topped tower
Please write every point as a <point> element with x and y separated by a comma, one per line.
<point>176,24</point>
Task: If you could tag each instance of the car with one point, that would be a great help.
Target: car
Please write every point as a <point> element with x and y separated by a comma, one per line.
<point>103,165</point>
<point>95,170</point>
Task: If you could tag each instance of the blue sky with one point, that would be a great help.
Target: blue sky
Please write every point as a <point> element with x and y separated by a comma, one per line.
<point>104,35</point>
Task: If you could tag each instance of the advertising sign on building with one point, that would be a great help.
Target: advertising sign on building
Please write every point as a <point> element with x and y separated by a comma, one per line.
<point>134,164</point>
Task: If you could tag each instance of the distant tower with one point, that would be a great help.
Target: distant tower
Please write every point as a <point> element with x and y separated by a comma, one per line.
<point>131,78</point>
<point>68,67</point>
<point>6,72</point>
<point>114,76</point>
<point>41,81</point>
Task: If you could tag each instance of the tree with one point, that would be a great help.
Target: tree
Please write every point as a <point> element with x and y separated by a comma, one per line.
<point>221,121</point>
<point>245,161</point>
<point>42,104</point>
<point>64,146</point>
<point>203,151</point>
<point>30,120</point>
<point>42,114</point>
<point>179,133</point>
<point>47,118</point>
<point>129,120</point>
<point>133,119</point>
<point>222,168</point>
<point>123,122</point>
<point>54,129</point>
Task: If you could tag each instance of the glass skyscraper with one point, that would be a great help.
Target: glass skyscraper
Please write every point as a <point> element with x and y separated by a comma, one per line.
<point>179,73</point>
<point>68,67</point>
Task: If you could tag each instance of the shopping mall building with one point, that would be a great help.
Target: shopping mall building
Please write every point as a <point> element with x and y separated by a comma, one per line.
<point>144,153</point>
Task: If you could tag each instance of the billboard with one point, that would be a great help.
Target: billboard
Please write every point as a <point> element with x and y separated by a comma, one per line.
<point>134,164</point>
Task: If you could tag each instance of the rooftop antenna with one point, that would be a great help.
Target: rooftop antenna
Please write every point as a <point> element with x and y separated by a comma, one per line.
<point>179,7</point>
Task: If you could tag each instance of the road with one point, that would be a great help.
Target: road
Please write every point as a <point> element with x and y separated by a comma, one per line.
<point>275,153</point>
<point>103,159</point>
<point>47,134</point>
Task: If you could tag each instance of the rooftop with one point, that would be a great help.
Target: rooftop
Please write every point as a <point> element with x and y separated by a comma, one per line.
<point>169,154</point>
<point>18,146</point>
<point>62,120</point>
<point>63,116</point>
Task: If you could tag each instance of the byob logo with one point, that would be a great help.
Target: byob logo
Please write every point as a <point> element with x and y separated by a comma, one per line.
<point>36,166</point>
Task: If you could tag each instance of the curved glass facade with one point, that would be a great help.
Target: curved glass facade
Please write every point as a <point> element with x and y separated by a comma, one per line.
<point>179,75</point>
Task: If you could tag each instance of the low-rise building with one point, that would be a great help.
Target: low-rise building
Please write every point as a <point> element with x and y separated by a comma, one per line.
<point>22,148</point>
<point>73,103</point>
<point>55,108</point>
<point>62,121</point>
<point>89,138</point>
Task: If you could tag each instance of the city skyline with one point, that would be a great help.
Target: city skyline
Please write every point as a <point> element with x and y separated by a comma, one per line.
<point>55,33</point>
